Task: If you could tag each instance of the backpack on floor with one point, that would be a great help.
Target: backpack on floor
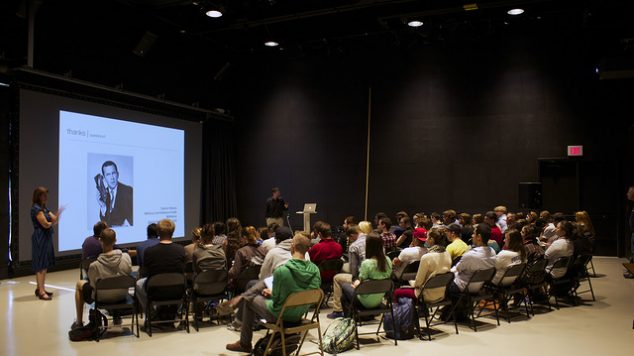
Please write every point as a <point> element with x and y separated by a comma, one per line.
<point>402,326</point>
<point>91,330</point>
<point>339,336</point>
<point>291,341</point>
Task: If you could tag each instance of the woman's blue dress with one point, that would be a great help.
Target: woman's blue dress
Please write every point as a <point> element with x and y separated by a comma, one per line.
<point>43,254</point>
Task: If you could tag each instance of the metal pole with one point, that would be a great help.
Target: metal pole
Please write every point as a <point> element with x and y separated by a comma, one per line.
<point>33,5</point>
<point>367,156</point>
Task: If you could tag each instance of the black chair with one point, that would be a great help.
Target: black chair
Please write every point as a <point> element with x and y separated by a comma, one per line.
<point>437,281</point>
<point>250,273</point>
<point>393,254</point>
<point>409,273</point>
<point>580,267</point>
<point>455,261</point>
<point>84,264</point>
<point>333,265</point>
<point>208,286</point>
<point>510,286</point>
<point>472,297</point>
<point>166,289</point>
<point>561,285</point>
<point>358,311</point>
<point>534,281</point>
<point>128,304</point>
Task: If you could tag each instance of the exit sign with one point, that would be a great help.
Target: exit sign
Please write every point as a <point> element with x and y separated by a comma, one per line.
<point>575,151</point>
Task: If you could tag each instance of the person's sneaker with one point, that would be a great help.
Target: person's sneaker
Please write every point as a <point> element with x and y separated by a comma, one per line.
<point>238,347</point>
<point>335,315</point>
<point>234,325</point>
<point>628,275</point>
<point>225,308</point>
<point>76,325</point>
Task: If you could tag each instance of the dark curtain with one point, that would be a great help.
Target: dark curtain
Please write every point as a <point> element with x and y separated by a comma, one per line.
<point>218,172</point>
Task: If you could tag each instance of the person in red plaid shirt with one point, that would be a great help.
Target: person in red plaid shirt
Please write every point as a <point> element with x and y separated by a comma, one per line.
<point>326,249</point>
<point>389,239</point>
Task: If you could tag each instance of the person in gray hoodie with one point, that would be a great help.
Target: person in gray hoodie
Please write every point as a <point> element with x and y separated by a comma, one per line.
<point>110,263</point>
<point>278,255</point>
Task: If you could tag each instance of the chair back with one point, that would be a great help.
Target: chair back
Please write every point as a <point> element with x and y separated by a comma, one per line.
<point>211,282</point>
<point>439,281</point>
<point>393,254</point>
<point>561,262</point>
<point>304,298</point>
<point>455,261</point>
<point>331,265</point>
<point>85,263</point>
<point>512,274</point>
<point>166,286</point>
<point>478,279</point>
<point>250,273</point>
<point>374,286</point>
<point>536,273</point>
<point>412,267</point>
<point>118,282</point>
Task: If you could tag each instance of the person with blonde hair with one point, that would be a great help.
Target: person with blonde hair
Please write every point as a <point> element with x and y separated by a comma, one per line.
<point>365,227</point>
<point>584,224</point>
<point>501,211</point>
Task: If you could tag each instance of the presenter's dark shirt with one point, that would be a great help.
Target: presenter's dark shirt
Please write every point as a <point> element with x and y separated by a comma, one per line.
<point>274,208</point>
<point>163,258</point>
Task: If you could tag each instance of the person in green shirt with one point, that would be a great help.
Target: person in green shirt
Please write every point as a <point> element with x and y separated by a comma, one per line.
<point>457,247</point>
<point>294,276</point>
<point>375,266</point>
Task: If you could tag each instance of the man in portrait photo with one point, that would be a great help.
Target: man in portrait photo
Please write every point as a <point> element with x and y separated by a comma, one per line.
<point>114,197</point>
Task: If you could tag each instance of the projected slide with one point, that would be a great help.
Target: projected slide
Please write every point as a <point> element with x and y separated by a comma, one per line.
<point>124,173</point>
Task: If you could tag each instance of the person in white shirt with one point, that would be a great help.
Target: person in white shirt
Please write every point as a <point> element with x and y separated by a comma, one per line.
<point>562,247</point>
<point>411,254</point>
<point>478,258</point>
<point>512,254</point>
<point>549,235</point>
<point>500,211</point>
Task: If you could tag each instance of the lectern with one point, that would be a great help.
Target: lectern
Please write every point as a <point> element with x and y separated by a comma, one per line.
<point>309,209</point>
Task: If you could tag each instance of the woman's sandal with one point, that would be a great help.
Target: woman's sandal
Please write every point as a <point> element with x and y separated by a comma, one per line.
<point>44,296</point>
<point>37,293</point>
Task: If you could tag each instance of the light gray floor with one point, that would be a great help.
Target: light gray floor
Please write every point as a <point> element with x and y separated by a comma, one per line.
<point>604,327</point>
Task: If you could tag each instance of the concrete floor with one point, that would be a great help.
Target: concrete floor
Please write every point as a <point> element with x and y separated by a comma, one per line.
<point>604,327</point>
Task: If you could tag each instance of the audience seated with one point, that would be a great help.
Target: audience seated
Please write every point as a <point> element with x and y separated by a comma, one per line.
<point>356,255</point>
<point>436,261</point>
<point>584,243</point>
<point>450,217</point>
<point>389,238</point>
<point>478,258</point>
<point>208,256</point>
<point>235,239</point>
<point>326,249</point>
<point>399,227</point>
<point>278,255</point>
<point>110,263</point>
<point>269,243</point>
<point>92,247</point>
<point>456,247</point>
<point>512,254</point>
<point>436,220</point>
<point>220,230</point>
<point>411,254</point>
<point>405,239</point>
<point>295,275</point>
<point>532,250</point>
<point>490,218</point>
<point>249,255</point>
<point>562,247</point>
<point>164,257</point>
<point>189,249</point>
<point>152,239</point>
<point>500,212</point>
<point>376,266</point>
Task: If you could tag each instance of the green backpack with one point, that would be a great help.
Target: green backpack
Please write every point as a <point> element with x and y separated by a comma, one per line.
<point>339,336</point>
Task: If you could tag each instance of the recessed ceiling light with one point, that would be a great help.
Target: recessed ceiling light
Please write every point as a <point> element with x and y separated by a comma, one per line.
<point>214,13</point>
<point>415,23</point>
<point>271,44</point>
<point>515,12</point>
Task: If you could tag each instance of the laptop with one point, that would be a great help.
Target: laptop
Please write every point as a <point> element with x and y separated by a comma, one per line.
<point>310,208</point>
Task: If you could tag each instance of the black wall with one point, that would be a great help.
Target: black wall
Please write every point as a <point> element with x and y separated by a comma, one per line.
<point>5,112</point>
<point>454,125</point>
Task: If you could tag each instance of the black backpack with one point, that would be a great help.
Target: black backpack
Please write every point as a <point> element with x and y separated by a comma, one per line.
<point>91,330</point>
<point>291,340</point>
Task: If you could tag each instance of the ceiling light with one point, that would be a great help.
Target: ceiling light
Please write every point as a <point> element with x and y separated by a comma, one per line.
<point>415,23</point>
<point>515,12</point>
<point>214,13</point>
<point>271,44</point>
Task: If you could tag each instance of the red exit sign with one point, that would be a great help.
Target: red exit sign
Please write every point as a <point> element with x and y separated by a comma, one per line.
<point>575,151</point>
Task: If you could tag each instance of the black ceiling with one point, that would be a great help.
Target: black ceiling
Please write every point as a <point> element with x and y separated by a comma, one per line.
<point>189,52</point>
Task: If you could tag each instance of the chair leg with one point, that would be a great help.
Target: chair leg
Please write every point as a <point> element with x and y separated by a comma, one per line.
<point>148,319</point>
<point>473,323</point>
<point>283,337</point>
<point>497,315</point>
<point>427,323</point>
<point>356,331</point>
<point>594,273</point>
<point>591,289</point>
<point>187,315</point>
<point>393,320</point>
<point>196,312</point>
<point>269,344</point>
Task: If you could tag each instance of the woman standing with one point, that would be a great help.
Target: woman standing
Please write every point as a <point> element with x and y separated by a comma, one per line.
<point>43,255</point>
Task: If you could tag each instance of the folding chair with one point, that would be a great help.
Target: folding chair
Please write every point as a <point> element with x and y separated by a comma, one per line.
<point>508,287</point>
<point>557,283</point>
<point>393,254</point>
<point>307,299</point>
<point>369,286</point>
<point>438,281</point>
<point>473,297</point>
<point>248,274</point>
<point>166,289</point>
<point>534,281</point>
<point>409,273</point>
<point>207,286</point>
<point>333,265</point>
<point>581,266</point>
<point>84,264</point>
<point>129,303</point>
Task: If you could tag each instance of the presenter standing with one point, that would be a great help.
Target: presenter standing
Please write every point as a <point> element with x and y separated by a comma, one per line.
<point>275,208</point>
<point>43,255</point>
